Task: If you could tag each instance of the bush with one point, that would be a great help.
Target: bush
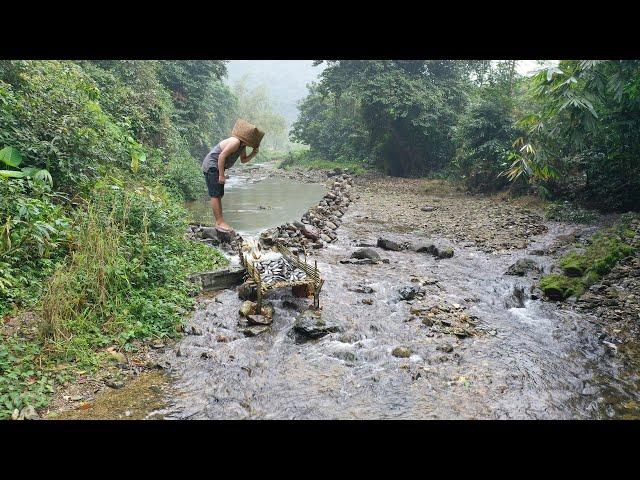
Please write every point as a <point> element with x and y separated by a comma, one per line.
<point>33,236</point>
<point>127,275</point>
<point>485,134</point>
<point>307,159</point>
<point>54,118</point>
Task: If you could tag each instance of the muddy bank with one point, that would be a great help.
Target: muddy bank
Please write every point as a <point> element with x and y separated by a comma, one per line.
<point>471,343</point>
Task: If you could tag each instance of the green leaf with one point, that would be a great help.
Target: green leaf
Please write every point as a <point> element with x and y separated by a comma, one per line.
<point>43,175</point>
<point>12,174</point>
<point>10,156</point>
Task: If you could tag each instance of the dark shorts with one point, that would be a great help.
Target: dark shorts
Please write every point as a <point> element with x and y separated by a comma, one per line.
<point>215,188</point>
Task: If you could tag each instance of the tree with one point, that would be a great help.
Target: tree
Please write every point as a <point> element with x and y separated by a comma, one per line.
<point>583,133</point>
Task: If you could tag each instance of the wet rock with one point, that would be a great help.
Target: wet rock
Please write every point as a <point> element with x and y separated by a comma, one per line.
<point>162,365</point>
<point>388,245</point>
<point>310,325</point>
<point>267,309</point>
<point>254,330</point>
<point>366,253</point>
<point>522,267</point>
<point>446,252</point>
<point>362,289</point>
<point>247,308</point>
<point>259,320</point>
<point>115,384</point>
<point>429,248</point>
<point>311,232</point>
<point>427,321</point>
<point>226,237</point>
<point>363,261</point>
<point>573,270</point>
<point>269,237</point>
<point>210,233</point>
<point>247,291</point>
<point>517,298</point>
<point>447,348</point>
<point>401,352</point>
<point>410,292</point>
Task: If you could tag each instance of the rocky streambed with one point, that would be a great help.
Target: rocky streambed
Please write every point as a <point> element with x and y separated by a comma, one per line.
<point>429,310</point>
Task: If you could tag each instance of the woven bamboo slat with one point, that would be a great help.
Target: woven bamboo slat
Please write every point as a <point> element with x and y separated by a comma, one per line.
<point>313,275</point>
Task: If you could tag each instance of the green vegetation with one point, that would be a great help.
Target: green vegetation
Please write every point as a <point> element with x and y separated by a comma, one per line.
<point>570,132</point>
<point>582,269</point>
<point>567,212</point>
<point>97,158</point>
<point>305,159</point>
<point>254,106</point>
<point>127,275</point>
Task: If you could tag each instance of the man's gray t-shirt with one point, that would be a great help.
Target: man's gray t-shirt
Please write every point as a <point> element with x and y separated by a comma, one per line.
<point>211,160</point>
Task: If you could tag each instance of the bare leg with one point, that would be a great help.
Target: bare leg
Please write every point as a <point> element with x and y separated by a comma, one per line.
<point>216,206</point>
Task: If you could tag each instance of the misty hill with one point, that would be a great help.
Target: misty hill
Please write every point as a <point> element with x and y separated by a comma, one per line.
<point>286,80</point>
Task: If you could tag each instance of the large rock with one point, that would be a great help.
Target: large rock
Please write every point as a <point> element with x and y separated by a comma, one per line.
<point>366,253</point>
<point>389,245</point>
<point>220,279</point>
<point>522,267</point>
<point>310,325</point>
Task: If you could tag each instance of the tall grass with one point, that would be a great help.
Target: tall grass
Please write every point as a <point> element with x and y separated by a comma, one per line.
<point>125,278</point>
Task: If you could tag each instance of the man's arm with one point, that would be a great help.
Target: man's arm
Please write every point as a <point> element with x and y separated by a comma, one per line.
<point>229,148</point>
<point>244,158</point>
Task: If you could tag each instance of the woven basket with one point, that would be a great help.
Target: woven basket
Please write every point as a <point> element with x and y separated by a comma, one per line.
<point>248,133</point>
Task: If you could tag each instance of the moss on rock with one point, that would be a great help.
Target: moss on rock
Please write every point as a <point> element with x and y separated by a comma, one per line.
<point>559,287</point>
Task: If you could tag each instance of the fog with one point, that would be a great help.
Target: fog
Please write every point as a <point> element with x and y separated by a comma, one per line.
<point>286,80</point>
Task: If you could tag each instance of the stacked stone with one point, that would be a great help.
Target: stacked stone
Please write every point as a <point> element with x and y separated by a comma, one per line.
<point>317,226</point>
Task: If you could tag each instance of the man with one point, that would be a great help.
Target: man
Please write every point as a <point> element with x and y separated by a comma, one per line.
<point>223,156</point>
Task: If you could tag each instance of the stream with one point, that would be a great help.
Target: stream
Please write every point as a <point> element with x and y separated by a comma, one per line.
<point>253,201</point>
<point>528,360</point>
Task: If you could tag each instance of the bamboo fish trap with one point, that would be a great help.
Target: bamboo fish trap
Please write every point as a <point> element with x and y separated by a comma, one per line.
<point>311,278</point>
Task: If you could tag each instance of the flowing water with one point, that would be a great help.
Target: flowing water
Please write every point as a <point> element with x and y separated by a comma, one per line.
<point>529,360</point>
<point>254,202</point>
